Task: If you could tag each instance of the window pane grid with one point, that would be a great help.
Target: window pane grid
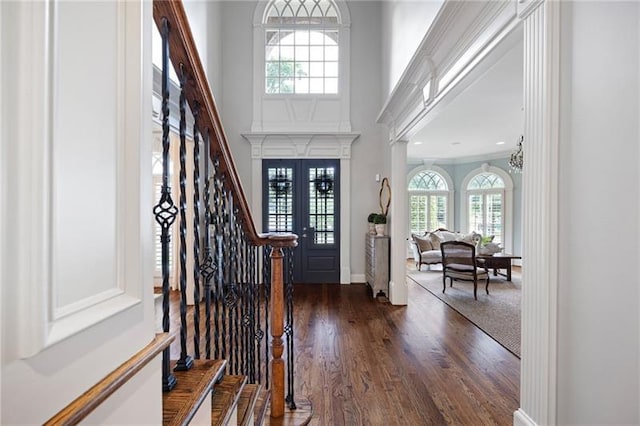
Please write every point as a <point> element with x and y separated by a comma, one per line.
<point>301,61</point>
<point>427,212</point>
<point>322,204</point>
<point>280,199</point>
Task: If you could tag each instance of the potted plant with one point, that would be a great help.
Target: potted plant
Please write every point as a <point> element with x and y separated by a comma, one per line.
<point>370,220</point>
<point>380,221</point>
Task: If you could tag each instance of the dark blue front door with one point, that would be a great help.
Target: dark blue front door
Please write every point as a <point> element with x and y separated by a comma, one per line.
<point>302,196</point>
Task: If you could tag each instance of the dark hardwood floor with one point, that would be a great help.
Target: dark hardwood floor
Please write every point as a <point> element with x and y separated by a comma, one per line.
<point>364,362</point>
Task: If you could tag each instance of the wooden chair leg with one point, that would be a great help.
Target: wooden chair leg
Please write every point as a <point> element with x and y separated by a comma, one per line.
<point>418,265</point>
<point>475,289</point>
<point>444,282</point>
<point>487,288</point>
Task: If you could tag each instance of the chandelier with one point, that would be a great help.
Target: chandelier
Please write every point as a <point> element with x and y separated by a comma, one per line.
<point>515,161</point>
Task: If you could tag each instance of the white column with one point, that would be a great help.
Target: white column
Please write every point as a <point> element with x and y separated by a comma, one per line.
<point>398,294</point>
<point>538,371</point>
<point>345,220</point>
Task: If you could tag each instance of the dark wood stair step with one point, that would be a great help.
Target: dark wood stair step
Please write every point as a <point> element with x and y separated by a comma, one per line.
<point>247,403</point>
<point>225,399</point>
<point>260,410</point>
<point>192,387</point>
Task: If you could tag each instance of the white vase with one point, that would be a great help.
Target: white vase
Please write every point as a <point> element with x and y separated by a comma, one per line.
<point>380,229</point>
<point>372,228</point>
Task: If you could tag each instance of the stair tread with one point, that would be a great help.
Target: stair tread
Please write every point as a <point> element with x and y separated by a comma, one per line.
<point>181,404</point>
<point>225,397</point>
<point>262,402</point>
<point>247,403</point>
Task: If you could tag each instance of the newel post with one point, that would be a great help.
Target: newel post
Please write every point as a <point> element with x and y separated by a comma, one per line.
<point>277,242</point>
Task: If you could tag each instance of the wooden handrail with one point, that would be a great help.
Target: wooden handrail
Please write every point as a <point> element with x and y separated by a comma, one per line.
<point>183,51</point>
<point>80,408</point>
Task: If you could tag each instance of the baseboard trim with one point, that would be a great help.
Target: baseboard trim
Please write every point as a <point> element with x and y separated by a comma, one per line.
<point>520,418</point>
<point>358,278</point>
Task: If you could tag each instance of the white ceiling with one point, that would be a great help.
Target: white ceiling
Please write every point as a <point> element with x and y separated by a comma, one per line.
<point>488,111</point>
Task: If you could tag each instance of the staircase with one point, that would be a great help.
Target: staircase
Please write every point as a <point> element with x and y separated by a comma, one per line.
<point>225,372</point>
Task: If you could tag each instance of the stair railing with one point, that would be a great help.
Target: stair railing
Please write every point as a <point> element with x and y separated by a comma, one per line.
<point>243,301</point>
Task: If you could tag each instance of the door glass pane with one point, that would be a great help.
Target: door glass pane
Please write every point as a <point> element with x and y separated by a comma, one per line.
<point>322,204</point>
<point>280,199</point>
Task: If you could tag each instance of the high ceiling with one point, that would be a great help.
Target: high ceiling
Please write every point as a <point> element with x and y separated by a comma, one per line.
<point>488,111</point>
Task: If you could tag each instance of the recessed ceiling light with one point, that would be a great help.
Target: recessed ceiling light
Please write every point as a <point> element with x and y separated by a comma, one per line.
<point>417,143</point>
<point>455,143</point>
<point>500,143</point>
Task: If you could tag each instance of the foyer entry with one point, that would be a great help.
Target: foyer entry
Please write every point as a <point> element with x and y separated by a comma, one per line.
<point>303,196</point>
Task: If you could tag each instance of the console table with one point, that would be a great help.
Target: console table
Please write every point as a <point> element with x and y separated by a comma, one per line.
<point>498,261</point>
<point>376,268</point>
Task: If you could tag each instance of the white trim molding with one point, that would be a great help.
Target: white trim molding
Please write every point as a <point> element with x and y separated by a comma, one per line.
<point>54,302</point>
<point>538,370</point>
<point>399,214</point>
<point>307,145</point>
<point>507,206</point>
<point>461,36</point>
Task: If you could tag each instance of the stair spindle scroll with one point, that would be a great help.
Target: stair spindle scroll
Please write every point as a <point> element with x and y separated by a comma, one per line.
<point>186,361</point>
<point>196,232</point>
<point>207,269</point>
<point>165,211</point>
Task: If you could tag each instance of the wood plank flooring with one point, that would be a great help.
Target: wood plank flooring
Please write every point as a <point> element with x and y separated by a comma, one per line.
<point>362,362</point>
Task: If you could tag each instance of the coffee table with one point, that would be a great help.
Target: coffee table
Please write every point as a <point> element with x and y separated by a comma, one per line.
<point>498,261</point>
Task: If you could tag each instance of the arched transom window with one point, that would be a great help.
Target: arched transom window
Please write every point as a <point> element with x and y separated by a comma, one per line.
<point>486,210</point>
<point>301,47</point>
<point>428,201</point>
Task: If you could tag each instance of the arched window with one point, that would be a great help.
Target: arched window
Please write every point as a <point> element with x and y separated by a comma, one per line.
<point>301,47</point>
<point>488,205</point>
<point>429,197</point>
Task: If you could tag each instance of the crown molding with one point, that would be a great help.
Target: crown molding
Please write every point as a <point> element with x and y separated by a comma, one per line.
<point>461,35</point>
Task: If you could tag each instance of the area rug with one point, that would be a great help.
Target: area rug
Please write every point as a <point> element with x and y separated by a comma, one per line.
<point>496,313</point>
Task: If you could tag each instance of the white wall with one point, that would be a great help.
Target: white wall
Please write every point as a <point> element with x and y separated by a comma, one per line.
<point>598,341</point>
<point>404,25</point>
<point>205,19</point>
<point>369,153</point>
<point>67,319</point>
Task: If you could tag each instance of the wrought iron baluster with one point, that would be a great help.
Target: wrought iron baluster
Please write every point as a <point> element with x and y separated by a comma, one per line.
<point>259,334</point>
<point>267,300</point>
<point>186,361</point>
<point>196,232</point>
<point>289,328</point>
<point>217,259</point>
<point>207,267</point>
<point>251,335</point>
<point>165,211</point>
<point>223,266</point>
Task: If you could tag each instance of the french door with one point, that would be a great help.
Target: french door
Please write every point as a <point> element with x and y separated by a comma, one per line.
<point>302,196</point>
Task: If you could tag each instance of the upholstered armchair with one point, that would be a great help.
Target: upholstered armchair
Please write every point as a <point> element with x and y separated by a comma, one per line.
<point>459,263</point>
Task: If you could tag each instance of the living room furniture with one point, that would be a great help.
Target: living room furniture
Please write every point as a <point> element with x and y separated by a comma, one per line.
<point>498,261</point>
<point>376,251</point>
<point>426,248</point>
<point>459,263</point>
